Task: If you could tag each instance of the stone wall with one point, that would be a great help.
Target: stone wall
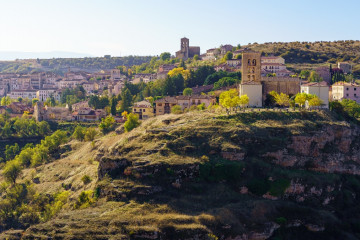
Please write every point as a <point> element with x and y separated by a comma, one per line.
<point>287,85</point>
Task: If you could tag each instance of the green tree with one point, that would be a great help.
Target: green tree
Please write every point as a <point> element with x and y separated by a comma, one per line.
<point>229,99</point>
<point>11,171</point>
<point>176,109</point>
<point>165,56</point>
<point>126,100</point>
<point>107,124</point>
<point>281,99</point>
<point>131,122</point>
<point>351,108</point>
<point>187,92</point>
<point>90,134</point>
<point>5,101</point>
<point>6,131</point>
<point>196,57</point>
<point>11,151</point>
<point>34,101</point>
<point>315,101</point>
<point>244,100</point>
<point>304,74</point>
<point>94,101</point>
<point>225,82</point>
<point>44,128</point>
<point>301,98</point>
<point>79,133</point>
<point>113,106</point>
<point>228,56</point>
<point>314,77</point>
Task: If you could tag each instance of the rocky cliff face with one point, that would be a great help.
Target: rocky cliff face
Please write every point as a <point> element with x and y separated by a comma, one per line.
<point>332,149</point>
<point>240,177</point>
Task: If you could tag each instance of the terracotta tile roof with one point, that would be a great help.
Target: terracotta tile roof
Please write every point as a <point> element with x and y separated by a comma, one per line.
<point>346,84</point>
<point>316,84</point>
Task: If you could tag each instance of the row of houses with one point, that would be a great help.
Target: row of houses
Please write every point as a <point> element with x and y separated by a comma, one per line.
<point>81,113</point>
<point>162,106</point>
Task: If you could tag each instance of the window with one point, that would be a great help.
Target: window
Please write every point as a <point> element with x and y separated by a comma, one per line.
<point>354,89</point>
<point>143,110</point>
<point>249,61</point>
<point>159,104</point>
<point>347,94</point>
<point>254,62</point>
<point>347,89</point>
<point>354,94</point>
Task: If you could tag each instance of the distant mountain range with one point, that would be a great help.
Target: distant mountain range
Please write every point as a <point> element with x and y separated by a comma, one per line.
<point>10,55</point>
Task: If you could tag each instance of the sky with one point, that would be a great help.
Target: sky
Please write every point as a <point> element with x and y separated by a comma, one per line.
<point>150,27</point>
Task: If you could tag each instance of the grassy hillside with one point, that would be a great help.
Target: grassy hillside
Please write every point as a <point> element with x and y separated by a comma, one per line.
<point>207,176</point>
<point>310,55</point>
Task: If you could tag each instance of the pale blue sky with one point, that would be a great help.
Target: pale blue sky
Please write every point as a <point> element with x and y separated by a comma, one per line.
<point>149,27</point>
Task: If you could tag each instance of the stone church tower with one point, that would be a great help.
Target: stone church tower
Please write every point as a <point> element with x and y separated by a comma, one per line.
<point>251,66</point>
<point>184,47</point>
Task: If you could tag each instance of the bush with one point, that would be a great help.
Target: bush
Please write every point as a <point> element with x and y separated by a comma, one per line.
<point>258,186</point>
<point>85,199</point>
<point>131,122</point>
<point>278,187</point>
<point>90,134</point>
<point>86,179</point>
<point>176,109</point>
<point>107,124</point>
<point>79,133</point>
<point>201,106</point>
<point>215,171</point>
<point>11,171</point>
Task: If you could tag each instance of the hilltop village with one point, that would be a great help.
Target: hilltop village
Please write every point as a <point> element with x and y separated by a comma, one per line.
<point>75,96</point>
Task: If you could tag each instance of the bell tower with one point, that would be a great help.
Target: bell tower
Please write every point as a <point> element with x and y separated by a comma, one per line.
<point>251,66</point>
<point>184,47</point>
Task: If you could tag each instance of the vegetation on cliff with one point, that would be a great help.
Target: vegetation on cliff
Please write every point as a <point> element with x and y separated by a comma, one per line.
<point>204,174</point>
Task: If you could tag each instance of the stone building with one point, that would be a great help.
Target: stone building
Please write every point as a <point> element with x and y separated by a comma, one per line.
<point>324,73</point>
<point>186,51</point>
<point>44,113</point>
<point>164,105</point>
<point>252,80</point>
<point>345,67</point>
<point>251,66</point>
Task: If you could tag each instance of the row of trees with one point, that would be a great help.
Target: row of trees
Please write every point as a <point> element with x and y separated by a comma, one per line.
<point>284,100</point>
<point>22,127</point>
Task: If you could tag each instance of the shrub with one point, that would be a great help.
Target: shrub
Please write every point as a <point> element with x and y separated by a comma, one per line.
<point>90,134</point>
<point>201,106</point>
<point>85,199</point>
<point>281,220</point>
<point>131,122</point>
<point>258,186</point>
<point>215,171</point>
<point>107,124</point>
<point>79,133</point>
<point>11,171</point>
<point>86,179</point>
<point>279,186</point>
<point>176,109</point>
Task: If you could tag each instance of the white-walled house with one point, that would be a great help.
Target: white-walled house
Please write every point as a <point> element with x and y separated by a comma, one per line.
<point>320,89</point>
